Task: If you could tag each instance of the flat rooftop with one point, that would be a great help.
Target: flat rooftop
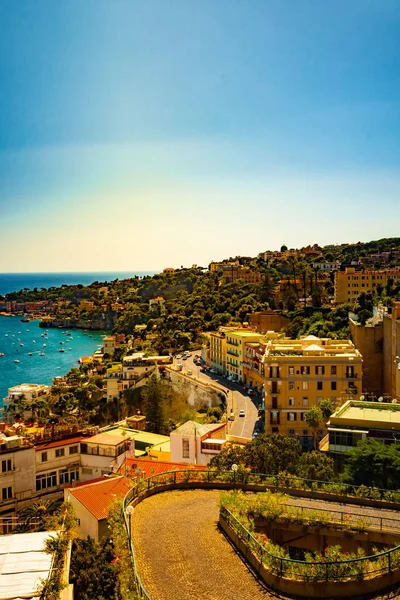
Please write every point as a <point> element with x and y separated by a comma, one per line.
<point>366,414</point>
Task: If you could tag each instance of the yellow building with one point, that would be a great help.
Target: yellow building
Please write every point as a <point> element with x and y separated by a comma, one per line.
<point>300,374</point>
<point>86,305</point>
<point>349,284</point>
<point>217,352</point>
<point>235,351</point>
<point>109,344</point>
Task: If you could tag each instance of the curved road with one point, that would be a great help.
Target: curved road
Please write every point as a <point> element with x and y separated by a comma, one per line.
<point>182,555</point>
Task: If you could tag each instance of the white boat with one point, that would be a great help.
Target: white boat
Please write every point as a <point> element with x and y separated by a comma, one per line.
<point>30,353</point>
<point>21,344</point>
<point>61,342</point>
<point>1,353</point>
<point>33,341</point>
<point>41,353</point>
<point>16,360</point>
<point>69,348</point>
<point>6,335</point>
<point>61,350</point>
<point>44,345</point>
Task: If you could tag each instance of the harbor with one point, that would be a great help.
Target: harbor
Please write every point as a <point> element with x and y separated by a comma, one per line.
<point>29,354</point>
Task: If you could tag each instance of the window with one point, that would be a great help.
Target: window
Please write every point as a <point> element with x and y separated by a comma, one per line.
<point>275,418</point>
<point>291,400</point>
<point>291,385</point>
<point>74,450</point>
<point>333,370</point>
<point>6,493</point>
<point>319,400</point>
<point>302,416</point>
<point>305,431</point>
<point>320,370</point>
<point>320,385</point>
<point>44,456</point>
<point>6,465</point>
<point>274,371</point>
<point>274,402</point>
<point>46,480</point>
<point>305,370</point>
<point>333,385</point>
<point>305,401</point>
<point>350,372</point>
<point>291,416</point>
<point>185,448</point>
<point>292,432</point>
<point>60,452</point>
<point>291,370</point>
<point>305,385</point>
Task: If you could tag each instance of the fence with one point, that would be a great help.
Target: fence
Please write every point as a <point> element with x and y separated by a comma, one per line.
<point>316,571</point>
<point>384,562</point>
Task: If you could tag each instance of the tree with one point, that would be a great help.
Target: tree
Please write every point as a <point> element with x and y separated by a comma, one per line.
<point>284,248</point>
<point>373,463</point>
<point>314,418</point>
<point>92,570</point>
<point>229,455</point>
<point>154,405</point>
<point>38,513</point>
<point>326,408</point>
<point>270,454</point>
<point>315,465</point>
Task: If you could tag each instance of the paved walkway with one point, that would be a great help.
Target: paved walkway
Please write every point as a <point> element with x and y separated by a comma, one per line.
<point>182,555</point>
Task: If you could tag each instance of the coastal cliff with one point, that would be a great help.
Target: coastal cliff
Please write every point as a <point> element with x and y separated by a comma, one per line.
<point>104,323</point>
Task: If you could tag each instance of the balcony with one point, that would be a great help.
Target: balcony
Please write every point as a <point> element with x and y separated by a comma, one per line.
<point>232,352</point>
<point>351,375</point>
<point>275,391</point>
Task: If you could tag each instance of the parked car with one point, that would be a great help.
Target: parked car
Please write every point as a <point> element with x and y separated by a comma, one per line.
<point>178,356</point>
<point>231,417</point>
<point>189,372</point>
<point>242,413</point>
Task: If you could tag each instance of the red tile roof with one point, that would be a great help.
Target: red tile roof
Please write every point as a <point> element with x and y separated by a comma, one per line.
<point>97,496</point>
<point>156,467</point>
<point>66,442</point>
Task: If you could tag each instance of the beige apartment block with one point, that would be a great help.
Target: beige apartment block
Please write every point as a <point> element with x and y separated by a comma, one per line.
<point>349,284</point>
<point>300,374</point>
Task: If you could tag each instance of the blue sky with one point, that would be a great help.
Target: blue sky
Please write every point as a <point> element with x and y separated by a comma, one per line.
<point>153,133</point>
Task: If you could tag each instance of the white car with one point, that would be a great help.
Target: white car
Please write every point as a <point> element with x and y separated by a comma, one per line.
<point>178,356</point>
<point>242,413</point>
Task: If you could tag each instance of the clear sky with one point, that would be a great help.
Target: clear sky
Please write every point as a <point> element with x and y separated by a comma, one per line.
<point>141,134</point>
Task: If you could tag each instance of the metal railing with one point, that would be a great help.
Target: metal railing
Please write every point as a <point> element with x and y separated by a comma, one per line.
<point>315,571</point>
<point>388,560</point>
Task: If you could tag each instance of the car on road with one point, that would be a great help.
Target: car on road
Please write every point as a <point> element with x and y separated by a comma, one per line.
<point>178,356</point>
<point>231,417</point>
<point>242,413</point>
<point>189,372</point>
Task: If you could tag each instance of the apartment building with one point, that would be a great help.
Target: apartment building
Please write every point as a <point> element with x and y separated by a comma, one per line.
<point>217,352</point>
<point>57,463</point>
<point>327,267</point>
<point>109,344</point>
<point>300,374</point>
<point>349,284</point>
<point>235,351</point>
<point>17,476</point>
<point>232,271</point>
<point>29,392</point>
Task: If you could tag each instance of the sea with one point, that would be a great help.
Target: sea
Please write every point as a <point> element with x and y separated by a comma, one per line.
<point>18,340</point>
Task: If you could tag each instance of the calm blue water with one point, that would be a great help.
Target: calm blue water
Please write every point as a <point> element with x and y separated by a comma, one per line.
<point>13,282</point>
<point>36,368</point>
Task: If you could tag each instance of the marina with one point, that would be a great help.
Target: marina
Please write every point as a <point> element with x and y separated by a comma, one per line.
<point>36,356</point>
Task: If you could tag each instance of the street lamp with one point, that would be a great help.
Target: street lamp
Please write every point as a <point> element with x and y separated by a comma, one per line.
<point>234,469</point>
<point>129,512</point>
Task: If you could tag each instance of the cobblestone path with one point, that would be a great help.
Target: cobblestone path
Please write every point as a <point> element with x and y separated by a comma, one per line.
<point>182,555</point>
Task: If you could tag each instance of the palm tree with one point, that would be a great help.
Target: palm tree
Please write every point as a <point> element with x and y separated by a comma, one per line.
<point>36,514</point>
<point>314,418</point>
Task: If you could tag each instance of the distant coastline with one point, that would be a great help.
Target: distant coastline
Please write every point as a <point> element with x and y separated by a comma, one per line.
<point>14,282</point>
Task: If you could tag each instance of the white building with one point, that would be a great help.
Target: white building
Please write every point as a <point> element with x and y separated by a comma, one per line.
<point>195,444</point>
<point>327,266</point>
<point>17,476</point>
<point>58,463</point>
<point>103,453</point>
